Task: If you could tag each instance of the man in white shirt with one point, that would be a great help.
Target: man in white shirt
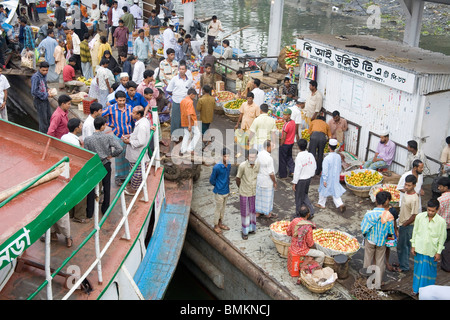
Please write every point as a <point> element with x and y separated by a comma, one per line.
<point>213,30</point>
<point>88,127</point>
<point>178,87</point>
<point>4,85</point>
<point>305,169</point>
<point>258,93</point>
<point>138,71</point>
<point>169,39</point>
<point>265,182</point>
<point>95,15</point>
<point>417,171</point>
<point>75,127</point>
<point>136,142</point>
<point>137,13</point>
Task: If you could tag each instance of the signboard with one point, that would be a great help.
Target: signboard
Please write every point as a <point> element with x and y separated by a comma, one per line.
<point>186,1</point>
<point>364,68</point>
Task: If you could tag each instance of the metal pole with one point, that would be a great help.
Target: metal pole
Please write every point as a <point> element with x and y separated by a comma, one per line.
<point>48,272</point>
<point>156,137</point>
<point>124,213</point>
<point>97,234</point>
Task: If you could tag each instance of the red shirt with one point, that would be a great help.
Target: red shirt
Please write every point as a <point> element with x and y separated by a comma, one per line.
<point>301,246</point>
<point>58,123</point>
<point>289,132</point>
<point>68,73</point>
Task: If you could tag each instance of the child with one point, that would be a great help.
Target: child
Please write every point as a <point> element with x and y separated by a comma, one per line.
<point>408,213</point>
<point>148,96</point>
<point>60,59</point>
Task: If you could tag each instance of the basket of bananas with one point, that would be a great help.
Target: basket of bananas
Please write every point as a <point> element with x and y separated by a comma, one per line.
<point>87,82</point>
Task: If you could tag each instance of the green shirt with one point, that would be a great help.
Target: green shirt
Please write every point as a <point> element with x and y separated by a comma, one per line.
<point>429,236</point>
<point>128,21</point>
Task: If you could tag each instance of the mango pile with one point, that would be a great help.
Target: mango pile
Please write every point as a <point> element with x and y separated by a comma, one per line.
<point>236,104</point>
<point>364,178</point>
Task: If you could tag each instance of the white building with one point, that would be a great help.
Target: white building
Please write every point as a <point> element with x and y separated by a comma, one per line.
<point>381,84</point>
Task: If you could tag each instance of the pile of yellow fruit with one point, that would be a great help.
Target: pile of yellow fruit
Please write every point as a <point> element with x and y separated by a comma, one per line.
<point>364,178</point>
<point>236,104</point>
<point>305,135</point>
<point>85,81</point>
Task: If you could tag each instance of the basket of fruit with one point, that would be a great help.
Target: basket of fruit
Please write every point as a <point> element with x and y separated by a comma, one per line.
<point>333,242</point>
<point>232,107</point>
<point>225,96</point>
<point>280,238</point>
<point>391,188</point>
<point>280,124</point>
<point>362,180</point>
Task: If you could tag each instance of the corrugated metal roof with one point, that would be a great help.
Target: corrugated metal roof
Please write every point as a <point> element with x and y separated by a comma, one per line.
<point>431,68</point>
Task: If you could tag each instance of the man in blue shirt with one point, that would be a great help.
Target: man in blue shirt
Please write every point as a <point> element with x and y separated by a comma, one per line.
<point>133,98</point>
<point>220,179</point>
<point>377,224</point>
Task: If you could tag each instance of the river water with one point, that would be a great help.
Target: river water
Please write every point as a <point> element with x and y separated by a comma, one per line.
<point>303,17</point>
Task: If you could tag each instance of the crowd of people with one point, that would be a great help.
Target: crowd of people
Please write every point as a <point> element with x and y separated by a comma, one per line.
<point>126,88</point>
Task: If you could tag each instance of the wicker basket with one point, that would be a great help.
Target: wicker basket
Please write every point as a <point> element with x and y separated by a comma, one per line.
<point>233,117</point>
<point>312,286</point>
<point>282,247</point>
<point>359,193</point>
<point>328,262</point>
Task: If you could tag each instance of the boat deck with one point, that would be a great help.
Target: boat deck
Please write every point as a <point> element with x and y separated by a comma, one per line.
<point>24,283</point>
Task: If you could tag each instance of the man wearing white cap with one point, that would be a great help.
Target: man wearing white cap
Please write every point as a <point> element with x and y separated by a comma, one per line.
<point>329,180</point>
<point>384,153</point>
<point>137,13</point>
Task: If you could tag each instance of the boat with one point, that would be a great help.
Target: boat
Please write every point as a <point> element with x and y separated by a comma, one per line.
<point>130,252</point>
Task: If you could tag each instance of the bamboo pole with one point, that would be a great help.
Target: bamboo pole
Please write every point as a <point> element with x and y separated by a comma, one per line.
<point>49,176</point>
<point>234,32</point>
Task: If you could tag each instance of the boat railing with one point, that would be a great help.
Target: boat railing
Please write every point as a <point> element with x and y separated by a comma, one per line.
<point>123,223</point>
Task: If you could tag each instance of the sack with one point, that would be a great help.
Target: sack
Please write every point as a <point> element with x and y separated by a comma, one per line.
<point>27,59</point>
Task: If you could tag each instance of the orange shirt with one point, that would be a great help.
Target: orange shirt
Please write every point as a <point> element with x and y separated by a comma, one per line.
<point>186,110</point>
<point>321,126</point>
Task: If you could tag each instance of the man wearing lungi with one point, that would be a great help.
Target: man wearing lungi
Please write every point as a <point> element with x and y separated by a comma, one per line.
<point>220,179</point>
<point>121,122</point>
<point>246,182</point>
<point>136,142</point>
<point>427,243</point>
<point>265,182</point>
<point>444,211</point>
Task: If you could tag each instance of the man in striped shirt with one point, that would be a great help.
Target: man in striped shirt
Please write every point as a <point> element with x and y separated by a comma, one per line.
<point>121,123</point>
<point>375,228</point>
<point>444,212</point>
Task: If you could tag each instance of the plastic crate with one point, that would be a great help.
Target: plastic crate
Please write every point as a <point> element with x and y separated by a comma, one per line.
<point>87,104</point>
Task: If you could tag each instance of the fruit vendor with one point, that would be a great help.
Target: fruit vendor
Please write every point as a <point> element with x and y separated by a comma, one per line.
<point>375,231</point>
<point>69,77</point>
<point>338,126</point>
<point>384,153</point>
<point>301,231</point>
<point>329,180</point>
<point>313,104</point>
<point>243,84</point>
<point>289,90</point>
<point>427,243</point>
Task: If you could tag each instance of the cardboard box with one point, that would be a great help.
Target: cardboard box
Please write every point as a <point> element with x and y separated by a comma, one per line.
<point>220,86</point>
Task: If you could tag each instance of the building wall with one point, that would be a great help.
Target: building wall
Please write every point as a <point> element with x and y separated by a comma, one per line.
<point>374,106</point>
